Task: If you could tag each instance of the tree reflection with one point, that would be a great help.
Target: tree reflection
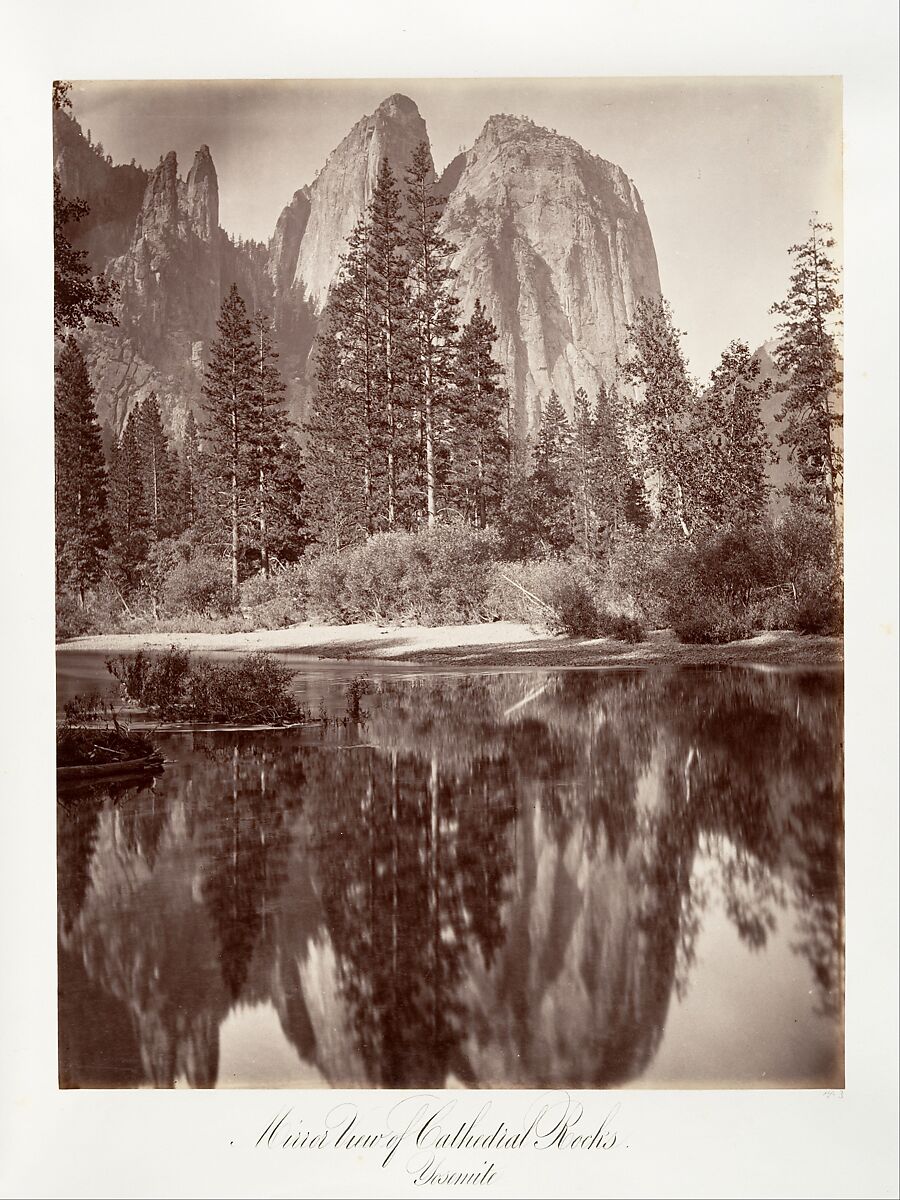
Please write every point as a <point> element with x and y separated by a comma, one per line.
<point>413,865</point>
<point>507,883</point>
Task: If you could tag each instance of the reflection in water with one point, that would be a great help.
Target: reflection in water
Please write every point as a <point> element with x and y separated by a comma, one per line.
<point>499,880</point>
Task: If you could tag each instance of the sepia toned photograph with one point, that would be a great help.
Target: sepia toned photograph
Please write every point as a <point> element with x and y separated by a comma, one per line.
<point>449,583</point>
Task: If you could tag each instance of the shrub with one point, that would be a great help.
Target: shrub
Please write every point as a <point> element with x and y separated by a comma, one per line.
<point>565,597</point>
<point>574,611</point>
<point>433,576</point>
<point>278,601</point>
<point>71,620</point>
<point>201,584</point>
<point>173,685</point>
<point>623,628</point>
<point>709,619</point>
<point>326,572</point>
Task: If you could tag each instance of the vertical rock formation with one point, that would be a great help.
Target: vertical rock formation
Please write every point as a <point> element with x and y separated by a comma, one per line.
<point>553,240</point>
<point>173,264</point>
<point>344,186</point>
<point>555,243</point>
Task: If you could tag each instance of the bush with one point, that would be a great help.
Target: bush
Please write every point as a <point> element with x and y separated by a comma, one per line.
<point>433,576</point>
<point>708,619</point>
<point>325,575</point>
<point>201,584</point>
<point>278,601</point>
<point>71,620</point>
<point>173,685</point>
<point>624,628</point>
<point>568,599</point>
<point>574,611</point>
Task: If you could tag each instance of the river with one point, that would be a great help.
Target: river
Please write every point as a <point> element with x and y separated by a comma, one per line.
<point>611,878</point>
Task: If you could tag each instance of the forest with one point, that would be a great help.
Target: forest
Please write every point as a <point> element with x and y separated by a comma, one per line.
<point>411,492</point>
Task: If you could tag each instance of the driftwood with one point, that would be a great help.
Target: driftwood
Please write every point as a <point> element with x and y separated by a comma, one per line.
<point>130,766</point>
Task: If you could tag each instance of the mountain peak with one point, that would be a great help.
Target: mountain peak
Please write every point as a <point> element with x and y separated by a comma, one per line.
<point>400,105</point>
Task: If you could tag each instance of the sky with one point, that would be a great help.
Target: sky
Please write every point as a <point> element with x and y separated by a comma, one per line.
<point>730,169</point>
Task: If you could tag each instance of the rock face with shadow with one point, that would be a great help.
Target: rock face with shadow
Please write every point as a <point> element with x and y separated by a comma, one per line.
<point>553,241</point>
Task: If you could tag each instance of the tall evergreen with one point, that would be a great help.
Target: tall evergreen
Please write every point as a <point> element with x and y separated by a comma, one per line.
<point>549,481</point>
<point>734,487</point>
<point>335,501</point>
<point>612,473</point>
<point>82,531</point>
<point>389,268</point>
<point>584,463</point>
<point>128,515</point>
<point>663,408</point>
<point>478,446</point>
<point>432,315</point>
<point>808,357</point>
<point>188,474</point>
<point>157,467</point>
<point>77,295</point>
<point>352,319</point>
<point>229,391</point>
<point>268,430</point>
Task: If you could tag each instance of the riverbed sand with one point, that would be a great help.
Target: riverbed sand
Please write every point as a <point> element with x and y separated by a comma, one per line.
<point>493,643</point>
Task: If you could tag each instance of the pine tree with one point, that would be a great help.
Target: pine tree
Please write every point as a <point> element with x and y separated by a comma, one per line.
<point>335,501</point>
<point>549,481</point>
<point>268,430</point>
<point>188,475</point>
<point>82,532</point>
<point>77,296</point>
<point>388,274</point>
<point>128,516</point>
<point>735,487</point>
<point>583,473</point>
<point>612,473</point>
<point>157,469</point>
<point>479,456</point>
<point>229,390</point>
<point>664,404</point>
<point>808,357</point>
<point>432,314</point>
<point>352,318</point>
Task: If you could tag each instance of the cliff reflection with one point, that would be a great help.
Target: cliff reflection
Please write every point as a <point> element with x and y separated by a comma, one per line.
<point>498,880</point>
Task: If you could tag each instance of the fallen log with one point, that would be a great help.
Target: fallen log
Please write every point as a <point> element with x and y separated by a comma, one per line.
<point>130,766</point>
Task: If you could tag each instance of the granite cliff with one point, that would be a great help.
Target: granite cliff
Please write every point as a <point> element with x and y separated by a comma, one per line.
<point>553,240</point>
<point>555,243</point>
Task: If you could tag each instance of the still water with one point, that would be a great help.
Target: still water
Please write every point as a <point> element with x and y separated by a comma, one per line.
<point>573,878</point>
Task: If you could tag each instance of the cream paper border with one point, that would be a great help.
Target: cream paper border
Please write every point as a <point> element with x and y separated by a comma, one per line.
<point>740,1143</point>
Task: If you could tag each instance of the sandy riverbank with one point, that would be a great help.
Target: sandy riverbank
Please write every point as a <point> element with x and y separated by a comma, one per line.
<point>489,644</point>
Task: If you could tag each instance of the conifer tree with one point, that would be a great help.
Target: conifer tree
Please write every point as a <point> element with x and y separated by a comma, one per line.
<point>334,495</point>
<point>663,408</point>
<point>77,295</point>
<point>128,516</point>
<point>388,273</point>
<point>157,469</point>
<point>549,481</point>
<point>584,469</point>
<point>479,460</point>
<point>82,532</point>
<point>229,392</point>
<point>808,357</point>
<point>353,320</point>
<point>268,430</point>
<point>432,314</point>
<point>612,467</point>
<point>734,487</point>
<point>188,474</point>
